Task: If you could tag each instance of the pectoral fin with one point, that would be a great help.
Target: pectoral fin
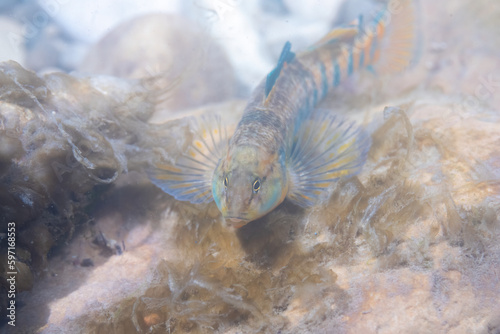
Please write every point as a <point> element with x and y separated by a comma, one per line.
<point>324,149</point>
<point>190,177</point>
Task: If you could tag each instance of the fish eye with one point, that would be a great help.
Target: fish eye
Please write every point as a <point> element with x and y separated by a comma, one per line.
<point>226,182</point>
<point>256,185</point>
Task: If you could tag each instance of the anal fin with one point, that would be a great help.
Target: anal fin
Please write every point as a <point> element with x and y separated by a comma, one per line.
<point>325,148</point>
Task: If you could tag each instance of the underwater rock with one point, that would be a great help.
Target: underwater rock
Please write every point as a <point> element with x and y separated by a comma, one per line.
<point>63,140</point>
<point>186,58</point>
<point>60,134</point>
<point>84,21</point>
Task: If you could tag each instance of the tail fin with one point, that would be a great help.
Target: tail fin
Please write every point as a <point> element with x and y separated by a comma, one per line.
<point>391,42</point>
<point>388,44</point>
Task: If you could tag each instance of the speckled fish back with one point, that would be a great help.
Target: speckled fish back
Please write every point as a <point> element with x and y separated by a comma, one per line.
<point>303,82</point>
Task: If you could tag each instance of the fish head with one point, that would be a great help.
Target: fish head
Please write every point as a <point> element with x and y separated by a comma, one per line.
<point>248,183</point>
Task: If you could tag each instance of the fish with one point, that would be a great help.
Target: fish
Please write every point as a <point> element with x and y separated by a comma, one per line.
<point>284,147</point>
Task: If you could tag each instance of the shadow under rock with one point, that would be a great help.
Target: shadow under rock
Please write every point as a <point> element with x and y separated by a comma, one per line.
<point>270,239</point>
<point>134,204</point>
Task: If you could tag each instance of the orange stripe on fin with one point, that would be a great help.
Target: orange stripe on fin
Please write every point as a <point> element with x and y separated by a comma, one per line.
<point>168,168</point>
<point>337,34</point>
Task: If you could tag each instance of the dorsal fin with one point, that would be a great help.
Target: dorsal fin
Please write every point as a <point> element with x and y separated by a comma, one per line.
<point>341,34</point>
<point>285,57</point>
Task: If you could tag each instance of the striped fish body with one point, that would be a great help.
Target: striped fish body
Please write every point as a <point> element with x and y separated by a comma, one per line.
<point>283,147</point>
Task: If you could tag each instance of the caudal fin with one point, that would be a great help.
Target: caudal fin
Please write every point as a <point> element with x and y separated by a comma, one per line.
<point>391,41</point>
<point>386,43</point>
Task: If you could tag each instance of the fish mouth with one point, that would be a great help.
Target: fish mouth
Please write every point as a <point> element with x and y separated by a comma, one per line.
<point>236,222</point>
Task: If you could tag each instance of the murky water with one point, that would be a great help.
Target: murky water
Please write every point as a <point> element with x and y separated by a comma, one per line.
<point>408,245</point>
